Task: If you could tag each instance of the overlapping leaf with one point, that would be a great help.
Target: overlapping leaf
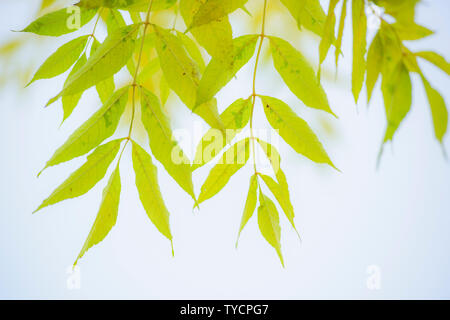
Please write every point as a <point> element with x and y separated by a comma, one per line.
<point>359,46</point>
<point>250,204</point>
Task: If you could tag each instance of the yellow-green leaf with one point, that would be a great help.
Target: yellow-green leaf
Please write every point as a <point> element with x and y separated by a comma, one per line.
<point>436,59</point>
<point>232,160</point>
<point>106,61</point>
<point>193,50</point>
<point>250,204</point>
<point>218,73</point>
<point>100,126</point>
<point>148,188</point>
<point>130,5</point>
<point>438,110</point>
<point>308,14</point>
<point>328,33</point>
<point>60,61</point>
<point>340,32</point>
<point>212,10</point>
<point>87,176</point>
<point>105,88</point>
<point>397,93</point>
<point>298,74</point>
<point>269,224</point>
<point>281,189</point>
<point>107,214</point>
<point>294,130</point>
<point>374,64</point>
<point>70,102</point>
<point>411,31</point>
<point>359,46</point>
<point>216,37</point>
<point>60,22</point>
<point>234,118</point>
<point>164,148</point>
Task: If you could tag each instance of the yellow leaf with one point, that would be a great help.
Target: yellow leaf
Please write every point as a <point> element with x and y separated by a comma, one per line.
<point>212,10</point>
<point>359,46</point>
<point>438,110</point>
<point>250,204</point>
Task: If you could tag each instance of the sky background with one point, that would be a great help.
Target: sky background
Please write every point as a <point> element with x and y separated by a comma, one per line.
<point>396,218</point>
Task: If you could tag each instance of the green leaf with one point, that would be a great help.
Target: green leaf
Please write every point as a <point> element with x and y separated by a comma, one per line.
<point>328,34</point>
<point>359,46</point>
<point>106,61</point>
<point>212,10</point>
<point>234,118</point>
<point>114,20</point>
<point>281,189</point>
<point>70,102</point>
<point>218,73</point>
<point>60,61</point>
<point>216,37</point>
<point>232,160</point>
<point>100,126</point>
<point>397,93</point>
<point>107,214</point>
<point>436,59</point>
<point>164,148</point>
<point>250,204</point>
<point>308,14</point>
<point>298,74</point>
<point>401,10</point>
<point>105,88</point>
<point>438,110</point>
<point>87,176</point>
<point>294,130</point>
<point>148,188</point>
<point>340,32</point>
<point>59,22</point>
<point>193,50</point>
<point>269,224</point>
<point>411,31</point>
<point>374,64</point>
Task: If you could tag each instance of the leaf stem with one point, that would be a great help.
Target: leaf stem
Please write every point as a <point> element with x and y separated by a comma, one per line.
<point>258,55</point>
<point>136,72</point>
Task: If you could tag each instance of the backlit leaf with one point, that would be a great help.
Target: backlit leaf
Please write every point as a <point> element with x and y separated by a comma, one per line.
<point>359,46</point>
<point>218,73</point>
<point>411,31</point>
<point>148,188</point>
<point>212,10</point>
<point>438,110</point>
<point>374,64</point>
<point>106,61</point>
<point>250,204</point>
<point>269,224</point>
<point>328,34</point>
<point>164,148</point>
<point>60,61</point>
<point>436,59</point>
<point>193,50</point>
<point>105,88</point>
<point>234,118</point>
<point>294,130</point>
<point>308,14</point>
<point>340,32</point>
<point>87,176</point>
<point>100,126</point>
<point>70,102</point>
<point>60,22</point>
<point>232,160</point>
<point>107,214</point>
<point>298,74</point>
